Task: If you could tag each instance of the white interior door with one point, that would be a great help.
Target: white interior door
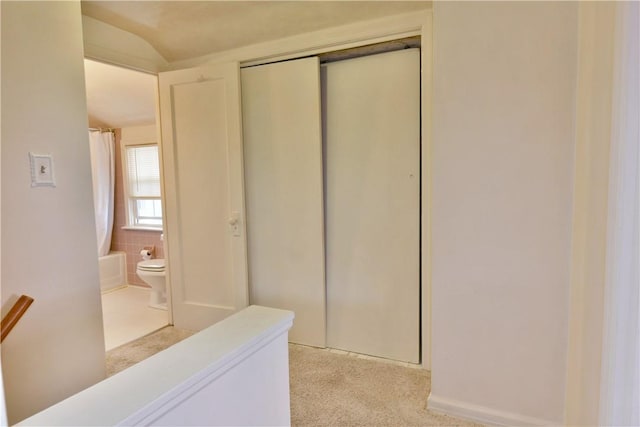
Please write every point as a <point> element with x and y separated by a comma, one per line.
<point>283,181</point>
<point>372,137</point>
<point>204,197</point>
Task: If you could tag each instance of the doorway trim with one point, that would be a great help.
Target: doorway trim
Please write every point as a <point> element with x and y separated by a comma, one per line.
<point>133,67</point>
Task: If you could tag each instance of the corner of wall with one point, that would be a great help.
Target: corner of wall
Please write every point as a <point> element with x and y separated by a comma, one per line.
<point>109,44</point>
<point>592,134</point>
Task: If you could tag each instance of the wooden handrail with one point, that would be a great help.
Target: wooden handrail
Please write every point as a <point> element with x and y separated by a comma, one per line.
<point>14,315</point>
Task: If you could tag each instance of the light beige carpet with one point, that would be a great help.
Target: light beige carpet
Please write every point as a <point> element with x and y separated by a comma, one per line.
<point>327,389</point>
<point>131,353</point>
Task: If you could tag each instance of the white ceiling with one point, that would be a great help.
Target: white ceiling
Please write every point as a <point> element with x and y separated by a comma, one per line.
<point>181,30</point>
<point>117,97</point>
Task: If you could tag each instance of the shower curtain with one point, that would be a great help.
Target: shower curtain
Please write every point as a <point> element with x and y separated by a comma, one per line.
<point>101,146</point>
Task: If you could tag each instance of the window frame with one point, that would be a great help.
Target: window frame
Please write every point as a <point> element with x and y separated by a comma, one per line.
<point>130,202</point>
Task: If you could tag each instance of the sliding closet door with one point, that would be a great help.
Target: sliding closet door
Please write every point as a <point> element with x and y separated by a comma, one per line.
<point>372,169</point>
<point>283,184</point>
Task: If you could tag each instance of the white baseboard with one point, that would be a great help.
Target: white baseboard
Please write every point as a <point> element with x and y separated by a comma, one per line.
<point>482,414</point>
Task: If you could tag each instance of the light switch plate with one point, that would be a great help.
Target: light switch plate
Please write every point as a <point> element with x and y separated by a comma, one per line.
<point>42,170</point>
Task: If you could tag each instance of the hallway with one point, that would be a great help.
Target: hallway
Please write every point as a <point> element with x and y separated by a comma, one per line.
<point>328,387</point>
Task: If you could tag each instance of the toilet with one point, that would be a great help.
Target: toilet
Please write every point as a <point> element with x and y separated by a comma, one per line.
<point>151,271</point>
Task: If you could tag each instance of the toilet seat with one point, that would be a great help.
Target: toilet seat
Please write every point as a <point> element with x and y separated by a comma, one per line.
<point>156,265</point>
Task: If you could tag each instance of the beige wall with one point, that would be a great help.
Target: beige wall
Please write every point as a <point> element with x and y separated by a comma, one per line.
<point>503,162</point>
<point>130,241</point>
<point>593,133</point>
<point>48,234</point>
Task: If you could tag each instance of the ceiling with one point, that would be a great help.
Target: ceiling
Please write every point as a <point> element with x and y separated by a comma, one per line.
<point>181,30</point>
<point>118,97</point>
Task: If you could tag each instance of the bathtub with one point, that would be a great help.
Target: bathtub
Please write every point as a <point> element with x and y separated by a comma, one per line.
<point>113,270</point>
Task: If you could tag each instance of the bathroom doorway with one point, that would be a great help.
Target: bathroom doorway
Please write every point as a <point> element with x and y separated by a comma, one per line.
<point>121,104</point>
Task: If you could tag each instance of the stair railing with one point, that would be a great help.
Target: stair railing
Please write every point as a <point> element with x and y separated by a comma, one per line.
<point>14,315</point>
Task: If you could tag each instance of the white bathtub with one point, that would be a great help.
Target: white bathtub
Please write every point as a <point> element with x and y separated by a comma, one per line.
<point>113,270</point>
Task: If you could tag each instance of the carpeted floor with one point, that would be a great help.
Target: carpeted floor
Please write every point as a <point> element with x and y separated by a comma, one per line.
<point>327,389</point>
<point>131,353</point>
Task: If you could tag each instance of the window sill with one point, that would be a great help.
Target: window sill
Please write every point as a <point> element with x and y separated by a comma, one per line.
<point>138,228</point>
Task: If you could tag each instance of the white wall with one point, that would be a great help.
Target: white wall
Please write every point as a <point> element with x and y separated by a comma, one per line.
<point>140,134</point>
<point>48,234</point>
<point>620,374</point>
<point>593,133</point>
<point>502,159</point>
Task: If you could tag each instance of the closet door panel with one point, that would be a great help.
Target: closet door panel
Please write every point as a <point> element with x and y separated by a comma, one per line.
<point>283,184</point>
<point>372,169</point>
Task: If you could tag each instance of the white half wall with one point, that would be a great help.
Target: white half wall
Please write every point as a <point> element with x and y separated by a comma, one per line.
<point>502,178</point>
<point>234,373</point>
<point>48,233</point>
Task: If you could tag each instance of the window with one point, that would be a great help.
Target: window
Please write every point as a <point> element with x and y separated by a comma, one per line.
<point>142,175</point>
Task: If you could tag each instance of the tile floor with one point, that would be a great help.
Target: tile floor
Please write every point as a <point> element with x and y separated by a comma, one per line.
<point>126,316</point>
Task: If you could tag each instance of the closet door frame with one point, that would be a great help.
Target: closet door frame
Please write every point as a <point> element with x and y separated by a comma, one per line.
<point>356,35</point>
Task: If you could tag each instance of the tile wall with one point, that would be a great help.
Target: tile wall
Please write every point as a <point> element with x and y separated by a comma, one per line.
<point>130,241</point>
